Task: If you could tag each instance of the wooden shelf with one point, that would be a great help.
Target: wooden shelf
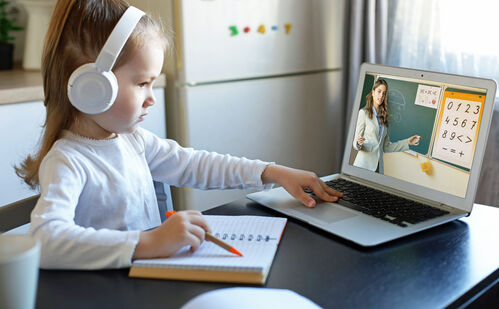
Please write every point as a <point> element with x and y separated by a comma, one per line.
<point>20,86</point>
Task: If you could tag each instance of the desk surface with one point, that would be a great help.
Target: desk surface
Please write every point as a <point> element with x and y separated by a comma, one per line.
<point>449,264</point>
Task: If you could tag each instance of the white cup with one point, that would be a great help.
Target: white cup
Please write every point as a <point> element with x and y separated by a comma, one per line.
<point>19,261</point>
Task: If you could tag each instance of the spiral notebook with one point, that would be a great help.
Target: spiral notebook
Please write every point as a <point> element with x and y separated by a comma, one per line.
<point>256,237</point>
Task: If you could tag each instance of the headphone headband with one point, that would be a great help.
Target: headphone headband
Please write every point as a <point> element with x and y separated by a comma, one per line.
<point>92,88</point>
<point>117,39</point>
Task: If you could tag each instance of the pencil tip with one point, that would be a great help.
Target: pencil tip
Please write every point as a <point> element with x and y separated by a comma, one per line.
<point>233,250</point>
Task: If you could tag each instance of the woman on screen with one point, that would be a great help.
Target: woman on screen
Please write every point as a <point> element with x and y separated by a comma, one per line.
<point>371,133</point>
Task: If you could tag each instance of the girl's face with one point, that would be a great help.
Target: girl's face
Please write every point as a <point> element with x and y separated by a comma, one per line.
<point>379,94</point>
<point>135,94</point>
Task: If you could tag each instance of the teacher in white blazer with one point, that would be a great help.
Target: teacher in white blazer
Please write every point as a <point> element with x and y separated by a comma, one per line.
<point>371,133</point>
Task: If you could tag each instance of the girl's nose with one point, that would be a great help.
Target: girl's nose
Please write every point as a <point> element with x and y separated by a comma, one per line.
<point>150,100</point>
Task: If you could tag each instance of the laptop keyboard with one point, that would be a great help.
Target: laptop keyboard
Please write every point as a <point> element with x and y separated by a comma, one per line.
<point>382,205</point>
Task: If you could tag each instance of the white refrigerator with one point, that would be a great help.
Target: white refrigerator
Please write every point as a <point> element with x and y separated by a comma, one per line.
<point>255,78</point>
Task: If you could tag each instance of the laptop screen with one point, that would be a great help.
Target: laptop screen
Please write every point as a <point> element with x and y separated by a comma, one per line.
<point>421,131</point>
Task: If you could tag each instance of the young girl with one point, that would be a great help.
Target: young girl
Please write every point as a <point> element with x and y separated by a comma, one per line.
<point>95,171</point>
<point>371,132</point>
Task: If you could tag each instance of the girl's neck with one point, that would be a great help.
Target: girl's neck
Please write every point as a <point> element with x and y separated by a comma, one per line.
<point>86,127</point>
<point>93,136</point>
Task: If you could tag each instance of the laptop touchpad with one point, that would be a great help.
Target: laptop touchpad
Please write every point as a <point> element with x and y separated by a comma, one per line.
<point>326,212</point>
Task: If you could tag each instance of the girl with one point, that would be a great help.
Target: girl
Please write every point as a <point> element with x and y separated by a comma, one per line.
<point>95,171</point>
<point>372,132</point>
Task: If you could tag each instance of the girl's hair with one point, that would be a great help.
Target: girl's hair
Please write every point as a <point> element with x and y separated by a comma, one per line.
<point>383,108</point>
<point>77,31</point>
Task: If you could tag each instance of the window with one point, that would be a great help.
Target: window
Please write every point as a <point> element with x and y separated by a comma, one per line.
<point>453,36</point>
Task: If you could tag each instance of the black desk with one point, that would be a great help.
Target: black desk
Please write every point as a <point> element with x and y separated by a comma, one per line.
<point>448,265</point>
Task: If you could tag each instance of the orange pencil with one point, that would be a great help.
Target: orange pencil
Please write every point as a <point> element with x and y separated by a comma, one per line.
<point>212,238</point>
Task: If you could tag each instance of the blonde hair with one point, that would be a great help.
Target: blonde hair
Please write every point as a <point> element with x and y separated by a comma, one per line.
<point>77,31</point>
<point>383,108</point>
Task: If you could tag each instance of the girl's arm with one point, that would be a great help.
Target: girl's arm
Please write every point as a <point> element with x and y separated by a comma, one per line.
<point>179,166</point>
<point>64,244</point>
<point>185,228</point>
<point>170,163</point>
<point>295,181</point>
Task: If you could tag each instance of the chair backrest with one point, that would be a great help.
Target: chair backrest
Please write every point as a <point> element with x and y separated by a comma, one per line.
<point>164,197</point>
<point>18,213</point>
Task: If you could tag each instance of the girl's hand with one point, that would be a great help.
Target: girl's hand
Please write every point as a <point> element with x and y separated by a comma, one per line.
<point>414,140</point>
<point>296,181</point>
<point>360,140</point>
<point>185,228</point>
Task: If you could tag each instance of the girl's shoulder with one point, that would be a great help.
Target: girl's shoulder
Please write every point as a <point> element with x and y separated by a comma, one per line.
<point>71,147</point>
<point>62,155</point>
<point>67,145</point>
<point>140,137</point>
<point>147,138</point>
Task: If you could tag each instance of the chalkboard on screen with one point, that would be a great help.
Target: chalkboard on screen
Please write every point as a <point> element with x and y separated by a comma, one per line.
<point>406,118</point>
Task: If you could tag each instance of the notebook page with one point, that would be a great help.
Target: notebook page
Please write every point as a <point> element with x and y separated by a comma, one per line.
<point>255,237</point>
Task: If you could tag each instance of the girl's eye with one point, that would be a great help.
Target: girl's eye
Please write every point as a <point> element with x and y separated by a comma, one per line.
<point>143,84</point>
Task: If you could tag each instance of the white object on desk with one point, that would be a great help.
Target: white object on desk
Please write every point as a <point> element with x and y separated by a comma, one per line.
<point>19,260</point>
<point>249,298</point>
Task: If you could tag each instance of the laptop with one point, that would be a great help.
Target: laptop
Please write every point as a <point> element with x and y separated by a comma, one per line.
<point>393,189</point>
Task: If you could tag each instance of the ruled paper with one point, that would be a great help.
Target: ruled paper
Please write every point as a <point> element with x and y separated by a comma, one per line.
<point>256,237</point>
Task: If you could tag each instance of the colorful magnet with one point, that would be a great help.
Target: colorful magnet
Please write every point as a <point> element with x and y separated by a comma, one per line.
<point>274,28</point>
<point>233,30</point>
<point>426,167</point>
<point>261,29</point>
<point>288,28</point>
<point>246,29</point>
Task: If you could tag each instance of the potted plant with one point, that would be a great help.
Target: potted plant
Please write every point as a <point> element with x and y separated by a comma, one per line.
<point>6,27</point>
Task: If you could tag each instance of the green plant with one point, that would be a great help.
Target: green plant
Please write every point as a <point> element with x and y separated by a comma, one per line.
<point>6,23</point>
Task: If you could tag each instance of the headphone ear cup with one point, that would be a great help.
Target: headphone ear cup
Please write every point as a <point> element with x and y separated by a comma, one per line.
<point>91,91</point>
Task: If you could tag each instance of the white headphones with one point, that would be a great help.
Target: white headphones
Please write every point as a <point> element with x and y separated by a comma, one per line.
<point>92,88</point>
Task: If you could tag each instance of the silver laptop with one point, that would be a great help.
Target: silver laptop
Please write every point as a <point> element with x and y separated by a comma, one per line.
<point>392,189</point>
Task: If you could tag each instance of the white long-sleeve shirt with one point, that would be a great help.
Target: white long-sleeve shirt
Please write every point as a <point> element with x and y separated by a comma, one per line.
<point>97,195</point>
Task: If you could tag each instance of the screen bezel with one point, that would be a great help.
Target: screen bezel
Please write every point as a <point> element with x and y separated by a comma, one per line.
<point>465,203</point>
